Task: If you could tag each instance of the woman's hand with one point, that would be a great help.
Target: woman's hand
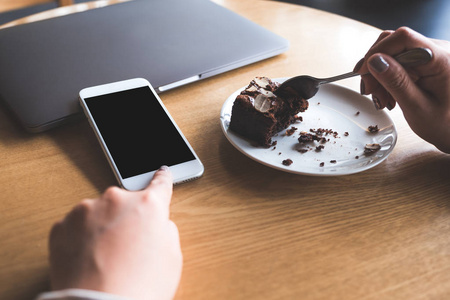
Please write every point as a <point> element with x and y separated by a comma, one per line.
<point>422,92</point>
<point>122,243</point>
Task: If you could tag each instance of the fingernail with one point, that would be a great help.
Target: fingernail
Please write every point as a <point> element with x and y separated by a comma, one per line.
<point>358,65</point>
<point>378,64</point>
<point>164,168</point>
<point>362,87</point>
<point>389,106</point>
<point>376,102</point>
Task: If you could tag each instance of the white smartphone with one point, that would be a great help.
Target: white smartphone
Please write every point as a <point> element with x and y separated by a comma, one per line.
<point>137,133</point>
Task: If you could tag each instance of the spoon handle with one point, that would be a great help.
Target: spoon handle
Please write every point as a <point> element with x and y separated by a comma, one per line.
<point>338,77</point>
<point>410,58</point>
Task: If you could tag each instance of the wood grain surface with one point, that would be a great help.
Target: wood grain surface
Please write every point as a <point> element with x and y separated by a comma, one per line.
<point>248,231</point>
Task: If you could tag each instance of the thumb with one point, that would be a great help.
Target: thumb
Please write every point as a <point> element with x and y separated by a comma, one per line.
<point>160,188</point>
<point>394,78</point>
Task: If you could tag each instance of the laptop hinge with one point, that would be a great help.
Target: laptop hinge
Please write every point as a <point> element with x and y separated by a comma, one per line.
<point>178,83</point>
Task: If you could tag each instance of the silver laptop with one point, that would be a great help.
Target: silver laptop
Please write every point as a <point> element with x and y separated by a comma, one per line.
<point>44,65</point>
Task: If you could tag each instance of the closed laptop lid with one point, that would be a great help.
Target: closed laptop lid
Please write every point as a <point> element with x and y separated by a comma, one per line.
<point>43,65</point>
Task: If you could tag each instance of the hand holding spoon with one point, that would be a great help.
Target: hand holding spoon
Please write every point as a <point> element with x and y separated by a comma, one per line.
<point>307,86</point>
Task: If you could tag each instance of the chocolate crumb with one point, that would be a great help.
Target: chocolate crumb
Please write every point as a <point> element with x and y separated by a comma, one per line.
<point>370,149</point>
<point>298,118</point>
<point>322,131</point>
<point>303,150</point>
<point>322,164</point>
<point>333,161</point>
<point>357,156</point>
<point>357,113</point>
<point>306,137</point>
<point>373,129</point>
<point>319,148</point>
<point>287,162</point>
<point>346,133</point>
<point>291,131</point>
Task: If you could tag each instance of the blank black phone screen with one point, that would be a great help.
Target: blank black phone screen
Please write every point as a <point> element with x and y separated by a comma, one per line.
<point>137,131</point>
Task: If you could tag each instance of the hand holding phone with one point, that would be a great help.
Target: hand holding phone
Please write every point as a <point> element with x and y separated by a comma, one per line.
<point>137,133</point>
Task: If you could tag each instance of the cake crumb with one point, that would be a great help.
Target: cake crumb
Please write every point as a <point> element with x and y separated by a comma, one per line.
<point>298,118</point>
<point>291,131</point>
<point>319,148</point>
<point>373,129</point>
<point>287,162</point>
<point>370,149</point>
<point>306,137</point>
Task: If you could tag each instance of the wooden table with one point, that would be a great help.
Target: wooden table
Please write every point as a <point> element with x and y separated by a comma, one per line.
<point>249,231</point>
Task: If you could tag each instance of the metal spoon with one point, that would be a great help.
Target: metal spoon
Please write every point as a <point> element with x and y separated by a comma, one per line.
<point>307,86</point>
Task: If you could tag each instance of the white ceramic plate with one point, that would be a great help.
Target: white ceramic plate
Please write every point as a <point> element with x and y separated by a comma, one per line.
<point>333,107</point>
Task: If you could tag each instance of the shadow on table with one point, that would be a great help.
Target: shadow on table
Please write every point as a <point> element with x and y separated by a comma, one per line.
<point>75,139</point>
